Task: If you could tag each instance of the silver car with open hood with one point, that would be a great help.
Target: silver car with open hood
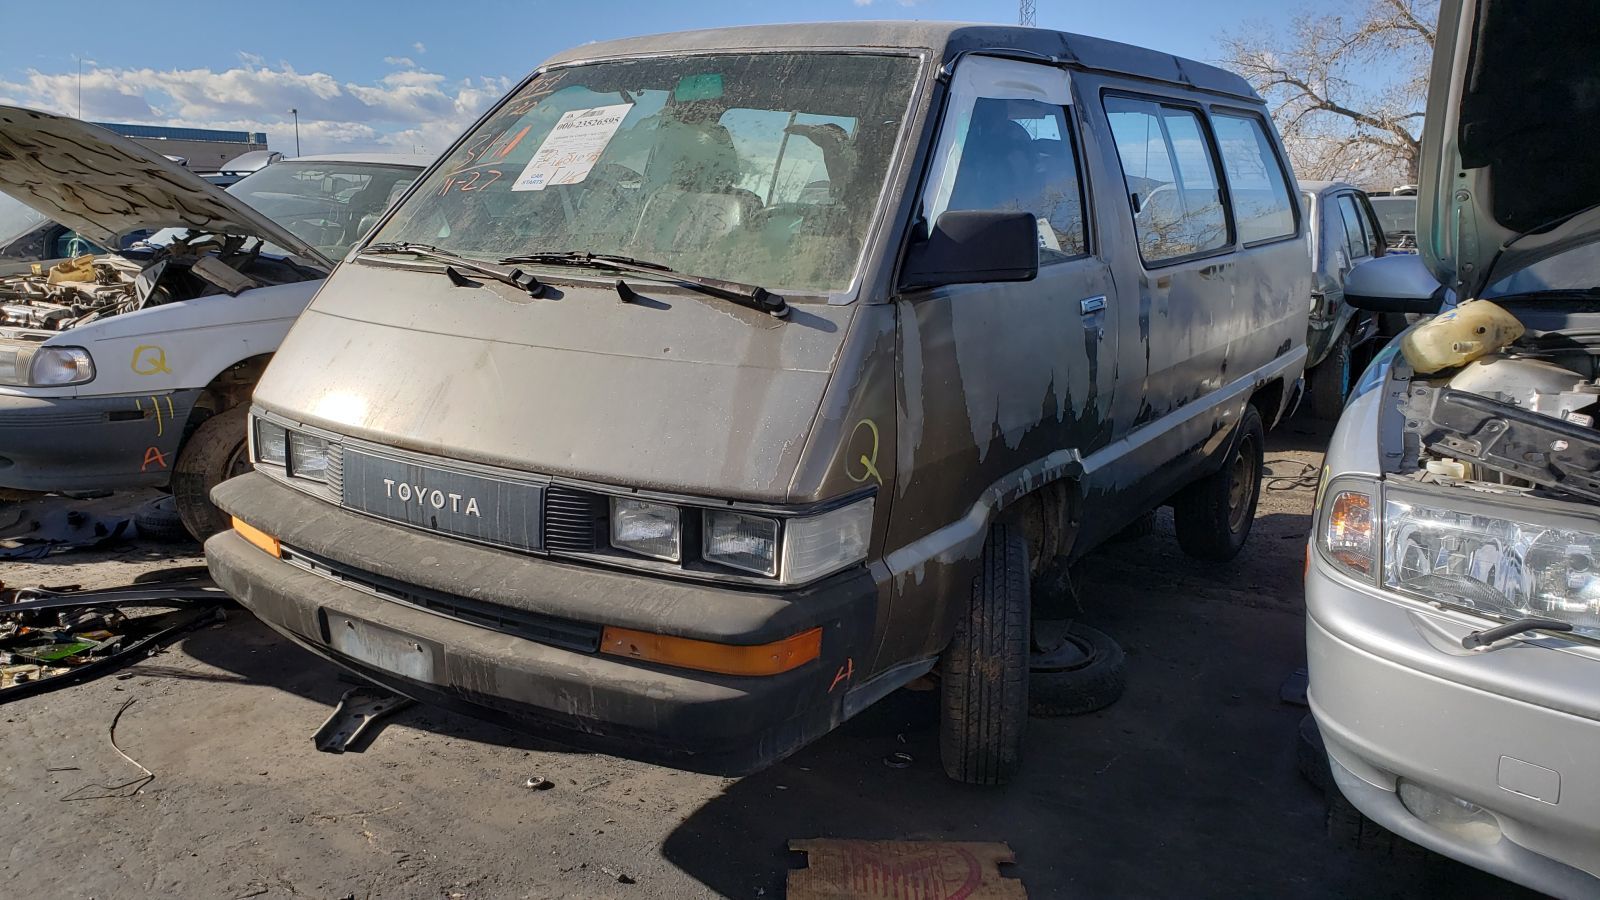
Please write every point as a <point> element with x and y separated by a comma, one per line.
<point>1453,585</point>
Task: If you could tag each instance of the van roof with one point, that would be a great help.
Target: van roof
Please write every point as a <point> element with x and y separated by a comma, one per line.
<point>946,39</point>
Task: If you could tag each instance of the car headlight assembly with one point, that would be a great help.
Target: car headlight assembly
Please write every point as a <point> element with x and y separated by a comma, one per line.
<point>740,541</point>
<point>34,365</point>
<point>272,443</point>
<point>790,550</point>
<point>1497,565</point>
<point>308,457</point>
<point>646,528</point>
<point>1484,557</point>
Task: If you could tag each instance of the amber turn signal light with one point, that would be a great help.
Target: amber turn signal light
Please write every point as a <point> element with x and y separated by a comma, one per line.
<point>1349,532</point>
<point>708,656</point>
<point>258,537</point>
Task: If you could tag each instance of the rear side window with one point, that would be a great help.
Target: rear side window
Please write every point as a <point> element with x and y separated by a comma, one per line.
<point>1355,237</point>
<point>1172,181</point>
<point>1262,209</point>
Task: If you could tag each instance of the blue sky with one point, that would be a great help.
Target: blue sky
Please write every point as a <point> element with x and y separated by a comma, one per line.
<point>406,75</point>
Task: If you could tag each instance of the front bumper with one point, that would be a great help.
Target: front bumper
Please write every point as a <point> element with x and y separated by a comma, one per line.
<point>1512,730</point>
<point>693,720</point>
<point>91,443</point>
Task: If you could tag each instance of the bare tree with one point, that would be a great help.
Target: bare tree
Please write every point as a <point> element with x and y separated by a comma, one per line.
<point>1347,90</point>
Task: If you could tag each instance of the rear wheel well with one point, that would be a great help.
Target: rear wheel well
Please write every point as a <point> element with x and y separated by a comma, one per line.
<point>231,387</point>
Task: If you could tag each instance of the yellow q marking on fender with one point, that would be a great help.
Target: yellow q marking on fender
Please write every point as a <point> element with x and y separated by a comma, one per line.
<point>148,359</point>
<point>869,461</point>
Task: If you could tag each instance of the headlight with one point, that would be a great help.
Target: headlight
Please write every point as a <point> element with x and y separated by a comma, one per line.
<point>33,365</point>
<point>308,457</point>
<point>272,443</point>
<point>648,529</point>
<point>1499,566</point>
<point>822,544</point>
<point>1488,559</point>
<point>741,541</point>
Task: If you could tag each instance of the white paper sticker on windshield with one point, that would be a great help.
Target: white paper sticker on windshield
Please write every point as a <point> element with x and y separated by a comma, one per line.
<point>572,148</point>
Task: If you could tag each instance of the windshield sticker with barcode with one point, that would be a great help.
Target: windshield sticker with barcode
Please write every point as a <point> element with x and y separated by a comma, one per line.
<point>572,148</point>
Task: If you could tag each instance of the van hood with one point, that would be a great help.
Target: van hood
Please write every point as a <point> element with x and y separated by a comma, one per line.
<point>1513,116</point>
<point>675,391</point>
<point>103,185</point>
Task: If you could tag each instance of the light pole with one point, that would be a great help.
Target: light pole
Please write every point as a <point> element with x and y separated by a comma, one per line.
<point>296,114</point>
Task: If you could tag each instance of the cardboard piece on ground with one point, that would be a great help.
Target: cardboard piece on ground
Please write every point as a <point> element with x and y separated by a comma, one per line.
<point>924,870</point>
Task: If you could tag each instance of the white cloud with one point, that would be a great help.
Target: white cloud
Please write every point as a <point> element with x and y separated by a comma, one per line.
<point>420,47</point>
<point>405,61</point>
<point>406,108</point>
<point>252,59</point>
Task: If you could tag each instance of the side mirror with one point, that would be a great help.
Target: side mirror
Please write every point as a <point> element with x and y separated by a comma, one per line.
<point>1398,283</point>
<point>971,246</point>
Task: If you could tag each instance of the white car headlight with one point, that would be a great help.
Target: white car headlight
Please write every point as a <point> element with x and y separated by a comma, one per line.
<point>1499,566</point>
<point>308,457</point>
<point>648,529</point>
<point>1477,554</point>
<point>740,541</point>
<point>33,365</point>
<point>272,443</point>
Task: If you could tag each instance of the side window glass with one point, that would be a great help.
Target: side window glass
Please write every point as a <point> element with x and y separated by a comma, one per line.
<point>1376,242</point>
<point>1262,209</point>
<point>1017,155</point>
<point>1171,180</point>
<point>1355,238</point>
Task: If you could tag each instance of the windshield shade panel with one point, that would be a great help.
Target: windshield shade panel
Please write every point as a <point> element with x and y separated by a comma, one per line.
<point>329,205</point>
<point>763,168</point>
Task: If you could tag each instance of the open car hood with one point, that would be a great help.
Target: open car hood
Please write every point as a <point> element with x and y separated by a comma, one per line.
<point>1513,116</point>
<point>104,186</point>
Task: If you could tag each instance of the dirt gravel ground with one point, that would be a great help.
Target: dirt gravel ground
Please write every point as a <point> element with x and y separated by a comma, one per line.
<point>1186,787</point>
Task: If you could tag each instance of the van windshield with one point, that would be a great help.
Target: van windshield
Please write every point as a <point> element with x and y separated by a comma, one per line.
<point>762,168</point>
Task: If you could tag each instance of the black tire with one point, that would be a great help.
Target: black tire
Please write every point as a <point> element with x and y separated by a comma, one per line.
<point>1330,380</point>
<point>1213,516</point>
<point>1311,757</point>
<point>214,453</point>
<point>1093,679</point>
<point>983,708</point>
<point>158,520</point>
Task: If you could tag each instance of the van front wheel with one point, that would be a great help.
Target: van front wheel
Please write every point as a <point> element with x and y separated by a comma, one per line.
<point>984,674</point>
<point>1213,515</point>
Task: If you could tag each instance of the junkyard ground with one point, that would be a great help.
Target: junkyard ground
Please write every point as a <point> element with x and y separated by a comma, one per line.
<point>1186,787</point>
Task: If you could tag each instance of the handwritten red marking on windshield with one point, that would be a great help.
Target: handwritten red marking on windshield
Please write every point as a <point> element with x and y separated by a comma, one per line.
<point>506,150</point>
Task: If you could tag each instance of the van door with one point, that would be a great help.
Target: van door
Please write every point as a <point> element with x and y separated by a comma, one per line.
<point>1182,231</point>
<point>995,377</point>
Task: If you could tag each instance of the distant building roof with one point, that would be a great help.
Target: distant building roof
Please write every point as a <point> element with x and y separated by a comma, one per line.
<point>160,132</point>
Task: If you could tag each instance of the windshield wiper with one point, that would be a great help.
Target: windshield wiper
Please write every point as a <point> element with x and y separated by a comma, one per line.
<point>749,295</point>
<point>456,264</point>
